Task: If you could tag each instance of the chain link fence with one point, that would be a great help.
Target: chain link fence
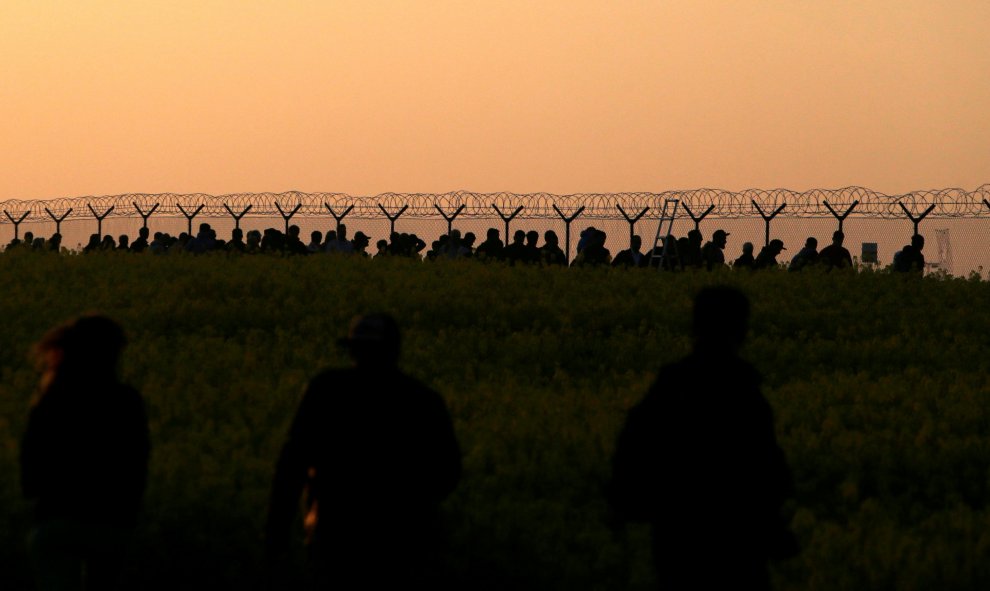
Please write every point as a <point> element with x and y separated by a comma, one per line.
<point>956,222</point>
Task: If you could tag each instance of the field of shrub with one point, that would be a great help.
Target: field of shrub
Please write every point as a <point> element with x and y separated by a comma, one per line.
<point>879,384</point>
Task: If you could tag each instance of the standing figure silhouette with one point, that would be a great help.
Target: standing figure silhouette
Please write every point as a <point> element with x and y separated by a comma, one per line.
<point>84,457</point>
<point>376,450</point>
<point>698,459</point>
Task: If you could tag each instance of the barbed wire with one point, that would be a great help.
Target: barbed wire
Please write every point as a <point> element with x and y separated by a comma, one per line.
<point>866,203</point>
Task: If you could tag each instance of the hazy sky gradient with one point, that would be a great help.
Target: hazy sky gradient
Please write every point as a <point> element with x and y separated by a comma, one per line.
<point>562,96</point>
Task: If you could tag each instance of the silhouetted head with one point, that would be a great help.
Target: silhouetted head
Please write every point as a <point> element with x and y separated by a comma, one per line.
<point>918,241</point>
<point>144,232</point>
<point>811,242</point>
<point>694,237</point>
<point>123,241</point>
<point>637,242</point>
<point>532,237</point>
<point>838,237</point>
<point>28,237</point>
<point>86,348</point>
<point>94,240</point>
<point>294,231</point>
<point>204,227</point>
<point>492,234</point>
<point>361,240</point>
<point>381,245</point>
<point>550,238</point>
<point>316,237</point>
<point>341,232</point>
<point>519,237</point>
<point>373,341</point>
<point>720,237</point>
<point>721,318</point>
<point>776,246</point>
<point>237,234</point>
<point>469,239</point>
<point>748,248</point>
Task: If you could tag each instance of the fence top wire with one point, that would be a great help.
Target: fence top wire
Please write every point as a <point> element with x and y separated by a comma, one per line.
<point>948,203</point>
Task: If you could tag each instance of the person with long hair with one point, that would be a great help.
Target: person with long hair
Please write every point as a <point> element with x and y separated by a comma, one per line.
<point>84,457</point>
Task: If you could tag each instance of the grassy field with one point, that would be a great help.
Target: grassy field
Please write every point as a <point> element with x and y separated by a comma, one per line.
<point>879,384</point>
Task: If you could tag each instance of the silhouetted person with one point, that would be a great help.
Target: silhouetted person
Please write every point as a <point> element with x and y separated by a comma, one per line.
<point>712,255</point>
<point>594,253</point>
<point>550,252</point>
<point>381,249</point>
<point>92,246</point>
<point>315,242</point>
<point>691,252</point>
<point>468,243</point>
<point>236,242</point>
<point>55,243</point>
<point>360,244</point>
<point>491,249</point>
<point>805,257</point>
<point>108,243</point>
<point>910,259</point>
<point>253,244</point>
<point>532,252</point>
<point>293,244</point>
<point>84,457</point>
<point>835,256</point>
<point>631,257</point>
<point>746,259</point>
<point>698,459</point>
<point>141,243</point>
<point>516,252</point>
<point>377,450</point>
<point>767,259</point>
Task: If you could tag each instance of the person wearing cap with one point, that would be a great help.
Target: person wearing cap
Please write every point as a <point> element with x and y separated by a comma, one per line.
<point>711,254</point>
<point>698,460</point>
<point>806,256</point>
<point>836,256</point>
<point>767,259</point>
<point>376,451</point>
<point>360,243</point>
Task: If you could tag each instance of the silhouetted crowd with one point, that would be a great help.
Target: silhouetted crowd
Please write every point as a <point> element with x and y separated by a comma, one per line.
<point>670,252</point>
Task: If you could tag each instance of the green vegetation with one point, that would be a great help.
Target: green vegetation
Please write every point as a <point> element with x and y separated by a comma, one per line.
<point>879,384</point>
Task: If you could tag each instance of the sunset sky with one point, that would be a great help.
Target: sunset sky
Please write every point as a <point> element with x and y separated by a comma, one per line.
<point>100,97</point>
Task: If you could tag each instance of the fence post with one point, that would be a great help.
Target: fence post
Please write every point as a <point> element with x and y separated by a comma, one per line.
<point>17,223</point>
<point>237,216</point>
<point>767,218</point>
<point>842,217</point>
<point>507,219</point>
<point>917,219</point>
<point>99,219</point>
<point>392,218</point>
<point>338,218</point>
<point>450,218</point>
<point>57,220</point>
<point>632,221</point>
<point>189,217</point>
<point>567,230</point>
<point>697,219</point>
<point>144,216</point>
<point>287,216</point>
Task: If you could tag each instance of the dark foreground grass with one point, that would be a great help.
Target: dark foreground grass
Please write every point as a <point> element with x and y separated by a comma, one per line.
<point>879,384</point>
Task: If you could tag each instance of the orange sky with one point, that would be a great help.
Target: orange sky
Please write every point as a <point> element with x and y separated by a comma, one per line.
<point>100,97</point>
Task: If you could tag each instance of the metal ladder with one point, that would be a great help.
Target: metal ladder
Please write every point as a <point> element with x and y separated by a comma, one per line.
<point>671,206</point>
